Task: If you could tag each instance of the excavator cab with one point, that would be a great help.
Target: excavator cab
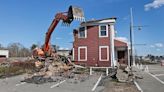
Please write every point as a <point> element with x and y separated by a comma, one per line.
<point>74,13</point>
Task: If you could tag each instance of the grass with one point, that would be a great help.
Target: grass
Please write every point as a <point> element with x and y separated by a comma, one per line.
<point>16,68</point>
<point>10,71</point>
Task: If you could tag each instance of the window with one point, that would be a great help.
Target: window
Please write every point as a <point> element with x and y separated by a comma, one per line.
<point>104,53</point>
<point>82,53</point>
<point>82,32</point>
<point>103,31</point>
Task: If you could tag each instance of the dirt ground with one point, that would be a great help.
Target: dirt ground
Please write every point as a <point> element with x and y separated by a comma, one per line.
<point>113,86</point>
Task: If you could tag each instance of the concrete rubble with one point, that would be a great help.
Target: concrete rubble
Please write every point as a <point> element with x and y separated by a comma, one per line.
<point>55,71</point>
<point>39,72</point>
<point>125,74</point>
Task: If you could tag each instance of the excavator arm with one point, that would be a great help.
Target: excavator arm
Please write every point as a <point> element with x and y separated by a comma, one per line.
<point>54,23</point>
<point>67,18</point>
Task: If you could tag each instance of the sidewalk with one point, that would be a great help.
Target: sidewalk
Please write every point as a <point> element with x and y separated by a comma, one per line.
<point>149,83</point>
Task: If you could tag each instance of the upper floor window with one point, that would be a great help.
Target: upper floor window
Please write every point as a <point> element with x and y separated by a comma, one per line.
<point>82,32</point>
<point>103,31</point>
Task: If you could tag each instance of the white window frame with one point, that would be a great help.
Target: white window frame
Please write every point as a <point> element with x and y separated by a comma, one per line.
<point>100,47</point>
<point>82,47</point>
<point>73,54</point>
<point>85,32</point>
<point>100,31</point>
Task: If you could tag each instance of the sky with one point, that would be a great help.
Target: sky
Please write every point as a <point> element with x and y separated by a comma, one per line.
<point>27,21</point>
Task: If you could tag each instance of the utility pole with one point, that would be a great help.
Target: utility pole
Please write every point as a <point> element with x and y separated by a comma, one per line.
<point>132,52</point>
<point>131,38</point>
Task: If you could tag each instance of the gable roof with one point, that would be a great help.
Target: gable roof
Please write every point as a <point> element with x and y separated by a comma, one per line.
<point>100,21</point>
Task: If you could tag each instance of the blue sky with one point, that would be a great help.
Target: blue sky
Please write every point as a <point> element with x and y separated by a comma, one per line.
<point>27,21</point>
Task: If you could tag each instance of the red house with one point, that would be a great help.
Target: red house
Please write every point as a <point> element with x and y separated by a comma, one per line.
<point>95,44</point>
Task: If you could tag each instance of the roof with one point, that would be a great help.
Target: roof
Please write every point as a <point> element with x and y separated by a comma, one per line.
<point>121,39</point>
<point>100,21</point>
<point>4,50</point>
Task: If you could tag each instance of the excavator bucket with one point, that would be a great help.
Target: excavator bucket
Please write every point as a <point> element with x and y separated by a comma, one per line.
<point>75,13</point>
<point>78,13</point>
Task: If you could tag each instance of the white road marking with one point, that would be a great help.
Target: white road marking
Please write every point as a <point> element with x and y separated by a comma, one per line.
<point>20,83</point>
<point>159,75</point>
<point>138,87</point>
<point>155,75</point>
<point>57,84</point>
<point>93,89</point>
<point>155,70</point>
<point>156,78</point>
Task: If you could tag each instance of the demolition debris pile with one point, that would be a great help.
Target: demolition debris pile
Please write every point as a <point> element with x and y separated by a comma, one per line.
<point>38,80</point>
<point>57,70</point>
<point>39,72</point>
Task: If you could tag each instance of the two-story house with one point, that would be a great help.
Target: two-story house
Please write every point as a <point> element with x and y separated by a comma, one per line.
<point>95,44</point>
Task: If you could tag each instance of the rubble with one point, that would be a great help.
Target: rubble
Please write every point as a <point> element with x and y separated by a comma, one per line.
<point>56,70</point>
<point>38,80</point>
<point>122,76</point>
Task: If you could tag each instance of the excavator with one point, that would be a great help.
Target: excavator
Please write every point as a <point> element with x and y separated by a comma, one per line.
<point>67,18</point>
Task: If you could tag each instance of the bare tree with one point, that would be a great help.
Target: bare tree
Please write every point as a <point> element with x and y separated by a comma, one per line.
<point>18,50</point>
<point>1,46</point>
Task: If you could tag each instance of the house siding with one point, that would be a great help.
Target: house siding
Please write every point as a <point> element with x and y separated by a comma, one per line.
<point>92,42</point>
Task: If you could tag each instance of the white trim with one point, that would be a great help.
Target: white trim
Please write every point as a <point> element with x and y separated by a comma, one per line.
<point>107,21</point>
<point>112,55</point>
<point>100,47</point>
<point>85,32</point>
<point>104,21</point>
<point>82,47</point>
<point>100,30</point>
<point>73,54</point>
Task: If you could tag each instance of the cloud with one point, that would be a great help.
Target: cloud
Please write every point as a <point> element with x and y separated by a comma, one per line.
<point>155,4</point>
<point>58,38</point>
<point>158,49</point>
<point>159,45</point>
<point>126,17</point>
<point>152,46</point>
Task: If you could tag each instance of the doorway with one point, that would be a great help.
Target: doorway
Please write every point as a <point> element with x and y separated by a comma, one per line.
<point>121,57</point>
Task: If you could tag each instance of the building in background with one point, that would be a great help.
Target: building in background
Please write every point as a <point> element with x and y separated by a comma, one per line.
<point>63,52</point>
<point>4,53</point>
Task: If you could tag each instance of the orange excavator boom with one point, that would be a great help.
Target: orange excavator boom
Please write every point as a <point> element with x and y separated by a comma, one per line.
<point>67,18</point>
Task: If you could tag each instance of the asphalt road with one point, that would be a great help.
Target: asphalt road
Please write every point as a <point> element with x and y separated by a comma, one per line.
<point>13,84</point>
<point>153,81</point>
